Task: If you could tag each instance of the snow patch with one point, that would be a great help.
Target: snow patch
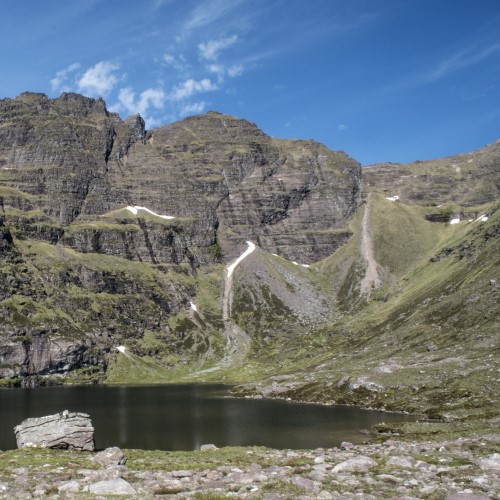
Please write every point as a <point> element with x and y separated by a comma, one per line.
<point>121,348</point>
<point>246,253</point>
<point>454,221</point>
<point>305,265</point>
<point>275,254</point>
<point>193,307</point>
<point>482,218</point>
<point>295,263</point>
<point>393,198</point>
<point>135,211</point>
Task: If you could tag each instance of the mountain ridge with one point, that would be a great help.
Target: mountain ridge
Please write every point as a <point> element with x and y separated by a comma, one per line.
<point>112,235</point>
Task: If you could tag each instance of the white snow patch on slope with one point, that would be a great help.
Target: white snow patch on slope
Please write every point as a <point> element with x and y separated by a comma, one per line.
<point>393,198</point>
<point>246,253</point>
<point>193,307</point>
<point>121,348</point>
<point>482,218</point>
<point>454,221</point>
<point>136,209</point>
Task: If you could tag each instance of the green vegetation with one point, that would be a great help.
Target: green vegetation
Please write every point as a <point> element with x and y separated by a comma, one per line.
<point>80,272</point>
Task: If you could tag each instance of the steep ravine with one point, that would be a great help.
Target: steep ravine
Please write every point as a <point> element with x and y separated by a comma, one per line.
<point>371,279</point>
<point>237,342</point>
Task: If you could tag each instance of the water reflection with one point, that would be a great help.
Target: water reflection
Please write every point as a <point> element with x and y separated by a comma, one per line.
<point>183,417</point>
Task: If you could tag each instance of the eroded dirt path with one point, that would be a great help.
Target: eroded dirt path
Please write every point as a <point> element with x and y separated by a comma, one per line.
<point>371,279</point>
<point>237,340</point>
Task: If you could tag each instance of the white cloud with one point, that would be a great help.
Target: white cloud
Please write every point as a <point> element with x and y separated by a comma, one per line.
<point>151,122</point>
<point>341,126</point>
<point>210,50</point>
<point>190,87</point>
<point>148,98</point>
<point>59,82</point>
<point>220,70</point>
<point>235,70</point>
<point>193,108</point>
<point>99,79</point>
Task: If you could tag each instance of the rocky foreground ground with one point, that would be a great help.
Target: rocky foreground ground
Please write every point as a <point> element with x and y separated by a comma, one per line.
<point>458,468</point>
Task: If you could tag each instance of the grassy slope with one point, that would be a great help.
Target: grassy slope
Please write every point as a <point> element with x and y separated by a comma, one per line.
<point>426,342</point>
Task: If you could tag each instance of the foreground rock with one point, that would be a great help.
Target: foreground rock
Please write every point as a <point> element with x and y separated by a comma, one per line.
<point>110,456</point>
<point>459,468</point>
<point>66,430</point>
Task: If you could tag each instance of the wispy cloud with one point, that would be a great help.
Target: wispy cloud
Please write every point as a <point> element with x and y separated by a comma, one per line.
<point>99,80</point>
<point>176,62</point>
<point>341,127</point>
<point>221,71</point>
<point>235,70</point>
<point>190,87</point>
<point>207,13</point>
<point>60,81</point>
<point>210,50</point>
<point>462,59</point>
<point>158,4</point>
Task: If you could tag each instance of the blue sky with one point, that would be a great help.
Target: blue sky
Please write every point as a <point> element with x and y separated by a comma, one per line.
<point>383,80</point>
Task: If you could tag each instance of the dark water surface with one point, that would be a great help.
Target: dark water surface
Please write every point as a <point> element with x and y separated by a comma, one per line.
<point>183,417</point>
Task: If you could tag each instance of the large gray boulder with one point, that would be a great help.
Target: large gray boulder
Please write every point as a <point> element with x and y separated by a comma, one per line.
<point>66,430</point>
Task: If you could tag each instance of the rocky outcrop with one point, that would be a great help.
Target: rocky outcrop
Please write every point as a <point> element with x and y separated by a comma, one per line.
<point>468,179</point>
<point>291,197</point>
<point>6,239</point>
<point>45,354</point>
<point>66,430</point>
<point>54,151</point>
<point>68,168</point>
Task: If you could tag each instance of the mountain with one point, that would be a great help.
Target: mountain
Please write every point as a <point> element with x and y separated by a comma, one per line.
<point>376,286</point>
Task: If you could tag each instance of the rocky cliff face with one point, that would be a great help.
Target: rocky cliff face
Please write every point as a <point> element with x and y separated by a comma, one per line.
<point>104,227</point>
<point>113,236</point>
<point>232,183</point>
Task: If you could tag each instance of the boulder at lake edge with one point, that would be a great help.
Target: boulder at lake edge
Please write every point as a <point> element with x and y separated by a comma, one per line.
<point>65,430</point>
